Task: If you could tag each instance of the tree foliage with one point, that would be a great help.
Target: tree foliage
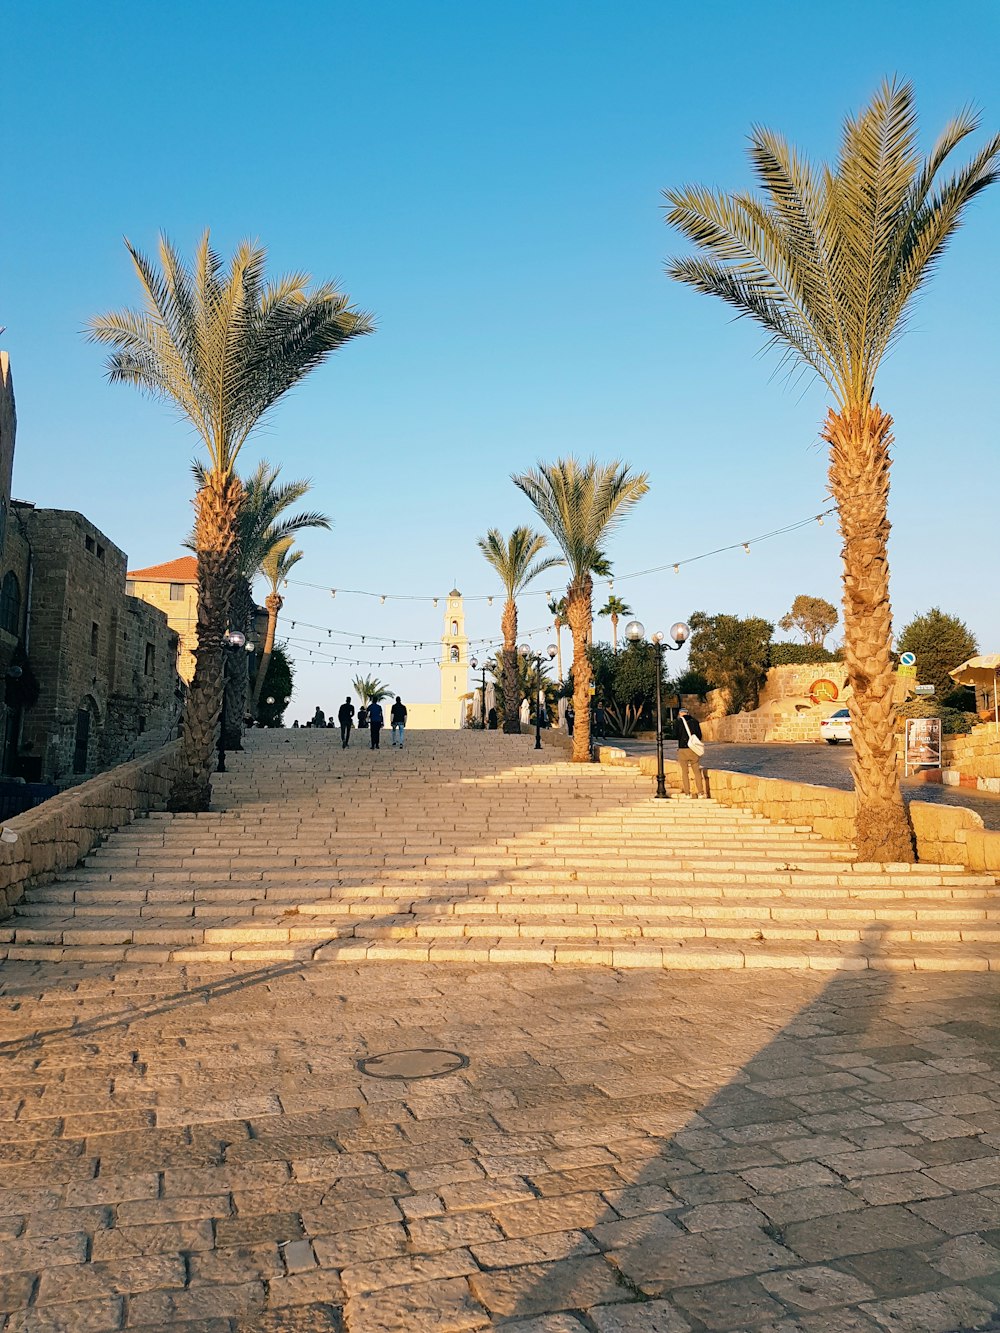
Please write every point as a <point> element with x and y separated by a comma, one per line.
<point>941,642</point>
<point>370,689</point>
<point>813,617</point>
<point>733,654</point>
<point>800,654</point>
<point>279,685</point>
<point>626,684</point>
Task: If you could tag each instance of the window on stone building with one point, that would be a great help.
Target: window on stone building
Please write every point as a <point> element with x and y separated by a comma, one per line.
<point>95,638</point>
<point>150,658</point>
<point>177,592</point>
<point>454,654</point>
<point>454,629</point>
<point>100,552</point>
<point>90,544</point>
<point>10,603</point>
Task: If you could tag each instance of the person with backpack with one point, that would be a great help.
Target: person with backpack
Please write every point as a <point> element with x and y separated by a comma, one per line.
<point>346,719</point>
<point>376,721</point>
<point>397,716</point>
<point>690,748</point>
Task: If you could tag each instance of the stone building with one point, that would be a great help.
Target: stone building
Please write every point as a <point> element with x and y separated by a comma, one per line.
<point>454,668</point>
<point>89,673</point>
<point>173,587</point>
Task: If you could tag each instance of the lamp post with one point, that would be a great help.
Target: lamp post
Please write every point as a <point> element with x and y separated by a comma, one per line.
<point>525,651</point>
<point>482,697</point>
<point>635,632</point>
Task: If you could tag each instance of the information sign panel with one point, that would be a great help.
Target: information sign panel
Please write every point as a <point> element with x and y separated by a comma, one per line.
<point>922,742</point>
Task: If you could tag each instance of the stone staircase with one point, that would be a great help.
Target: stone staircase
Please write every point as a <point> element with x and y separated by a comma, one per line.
<point>474,848</point>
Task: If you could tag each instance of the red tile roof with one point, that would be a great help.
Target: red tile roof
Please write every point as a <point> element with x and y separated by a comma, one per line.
<point>182,570</point>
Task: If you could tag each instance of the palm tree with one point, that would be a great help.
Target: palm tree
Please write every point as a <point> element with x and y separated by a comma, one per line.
<point>370,689</point>
<point>580,504</point>
<point>263,522</point>
<point>615,607</point>
<point>222,346</point>
<point>517,560</point>
<point>557,610</point>
<point>829,261</point>
<point>275,567</point>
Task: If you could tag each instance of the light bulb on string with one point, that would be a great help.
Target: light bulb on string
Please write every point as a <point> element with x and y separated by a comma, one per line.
<point>382,600</point>
<point>746,547</point>
<point>819,519</point>
<point>677,569</point>
<point>333,592</point>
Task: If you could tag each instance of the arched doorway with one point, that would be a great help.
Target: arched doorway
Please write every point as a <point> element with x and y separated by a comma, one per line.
<point>86,715</point>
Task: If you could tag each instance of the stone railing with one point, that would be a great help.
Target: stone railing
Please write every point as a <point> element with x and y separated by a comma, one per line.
<point>54,836</point>
<point>945,834</point>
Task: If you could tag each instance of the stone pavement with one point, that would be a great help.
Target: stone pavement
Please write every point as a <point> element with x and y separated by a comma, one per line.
<point>624,1152</point>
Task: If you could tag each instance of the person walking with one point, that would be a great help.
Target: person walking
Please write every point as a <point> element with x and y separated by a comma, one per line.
<point>397,716</point>
<point>690,748</point>
<point>570,718</point>
<point>492,721</point>
<point>346,719</point>
<point>376,721</point>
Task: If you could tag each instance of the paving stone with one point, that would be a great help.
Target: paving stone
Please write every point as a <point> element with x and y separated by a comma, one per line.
<point>904,1187</point>
<point>931,1312</point>
<point>566,1284</point>
<point>965,1257</point>
<point>100,1316</point>
<point>816,1288</point>
<point>799,1205</point>
<point>93,1280</point>
<point>15,1290</point>
<point>449,1233</point>
<point>895,1272</point>
<point>35,1253</point>
<point>959,1213</point>
<point>406,1270</point>
<point>559,1214</point>
<point>446,1307</point>
<point>879,1228</point>
<point>659,1266</point>
<point>729,1305</point>
<point>317,1287</point>
<point>643,1317</point>
<point>196,1303</point>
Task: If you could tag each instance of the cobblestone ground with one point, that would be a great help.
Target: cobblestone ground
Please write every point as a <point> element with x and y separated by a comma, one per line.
<point>623,1153</point>
<point>825,765</point>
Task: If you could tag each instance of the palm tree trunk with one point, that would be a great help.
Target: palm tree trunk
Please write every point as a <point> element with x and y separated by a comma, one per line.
<point>217,544</point>
<point>859,481</point>
<point>614,632</point>
<point>274,603</point>
<point>579,617</point>
<point>511,703</point>
<point>237,672</point>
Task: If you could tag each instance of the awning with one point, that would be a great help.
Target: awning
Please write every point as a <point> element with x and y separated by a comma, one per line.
<point>983,672</point>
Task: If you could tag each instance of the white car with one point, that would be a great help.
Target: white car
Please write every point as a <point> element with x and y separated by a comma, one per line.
<point>836,727</point>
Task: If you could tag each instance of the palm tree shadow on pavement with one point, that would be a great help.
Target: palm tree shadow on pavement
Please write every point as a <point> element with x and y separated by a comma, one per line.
<point>816,1192</point>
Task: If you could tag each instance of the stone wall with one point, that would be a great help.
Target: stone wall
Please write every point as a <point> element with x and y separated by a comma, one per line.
<point>945,834</point>
<point>105,662</point>
<point>786,711</point>
<point>55,835</point>
<point>973,760</point>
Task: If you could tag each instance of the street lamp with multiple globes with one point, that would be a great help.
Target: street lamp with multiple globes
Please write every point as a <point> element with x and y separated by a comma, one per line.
<point>525,650</point>
<point>635,632</point>
<point>233,640</point>
<point>474,663</point>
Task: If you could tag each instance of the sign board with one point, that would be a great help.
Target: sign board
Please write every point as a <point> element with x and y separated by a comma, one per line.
<point>823,692</point>
<point>908,659</point>
<point>922,743</point>
<point>923,689</point>
<point>906,670</point>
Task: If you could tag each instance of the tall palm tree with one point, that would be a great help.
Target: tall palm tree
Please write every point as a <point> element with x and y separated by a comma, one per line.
<point>615,607</point>
<point>517,560</point>
<point>581,503</point>
<point>276,565</point>
<point>557,610</point>
<point>828,261</point>
<point>223,346</point>
<point>263,521</point>
<point>370,689</point>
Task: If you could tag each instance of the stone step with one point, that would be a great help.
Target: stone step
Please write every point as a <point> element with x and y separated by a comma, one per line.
<point>556,951</point>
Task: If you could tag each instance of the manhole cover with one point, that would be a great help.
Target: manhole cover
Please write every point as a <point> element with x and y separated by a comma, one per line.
<point>413,1064</point>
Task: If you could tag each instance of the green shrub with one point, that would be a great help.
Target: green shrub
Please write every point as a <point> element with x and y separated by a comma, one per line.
<point>954,722</point>
<point>800,654</point>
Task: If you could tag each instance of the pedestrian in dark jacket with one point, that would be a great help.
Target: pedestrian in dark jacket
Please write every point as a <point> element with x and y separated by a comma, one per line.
<point>346,719</point>
<point>688,726</point>
<point>397,716</point>
<point>318,718</point>
<point>376,721</point>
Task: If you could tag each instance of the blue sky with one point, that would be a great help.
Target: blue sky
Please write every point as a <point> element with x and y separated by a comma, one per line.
<point>486,179</point>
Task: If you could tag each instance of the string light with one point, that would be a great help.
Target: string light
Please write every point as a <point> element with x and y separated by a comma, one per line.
<point>677,569</point>
<point>746,547</point>
<point>634,574</point>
